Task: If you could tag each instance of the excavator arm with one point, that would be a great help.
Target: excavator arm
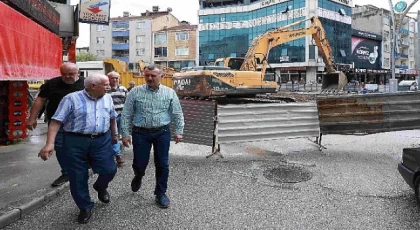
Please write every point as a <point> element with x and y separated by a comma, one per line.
<point>261,45</point>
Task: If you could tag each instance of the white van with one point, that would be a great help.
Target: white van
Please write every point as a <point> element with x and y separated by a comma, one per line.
<point>88,67</point>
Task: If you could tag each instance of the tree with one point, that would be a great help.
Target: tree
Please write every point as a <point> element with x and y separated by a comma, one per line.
<point>85,56</point>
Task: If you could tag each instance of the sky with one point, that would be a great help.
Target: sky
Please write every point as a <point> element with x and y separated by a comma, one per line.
<point>186,11</point>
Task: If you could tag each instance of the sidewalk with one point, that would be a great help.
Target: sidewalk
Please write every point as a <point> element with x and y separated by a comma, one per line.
<point>25,179</point>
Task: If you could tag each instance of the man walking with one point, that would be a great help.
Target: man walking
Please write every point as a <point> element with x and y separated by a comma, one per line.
<point>86,116</point>
<point>149,108</point>
<point>118,94</point>
<point>52,92</point>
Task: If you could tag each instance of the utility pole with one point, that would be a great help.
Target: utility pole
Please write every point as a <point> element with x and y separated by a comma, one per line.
<point>396,25</point>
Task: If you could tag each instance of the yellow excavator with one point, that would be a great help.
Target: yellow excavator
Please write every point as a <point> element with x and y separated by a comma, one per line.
<point>246,80</point>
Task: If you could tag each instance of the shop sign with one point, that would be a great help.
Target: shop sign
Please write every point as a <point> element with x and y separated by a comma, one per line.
<point>40,10</point>
<point>94,11</point>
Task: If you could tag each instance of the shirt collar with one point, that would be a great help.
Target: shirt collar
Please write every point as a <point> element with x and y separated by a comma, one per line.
<point>154,90</point>
<point>88,96</point>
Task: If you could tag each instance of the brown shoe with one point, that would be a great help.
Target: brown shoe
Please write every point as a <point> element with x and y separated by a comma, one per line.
<point>119,159</point>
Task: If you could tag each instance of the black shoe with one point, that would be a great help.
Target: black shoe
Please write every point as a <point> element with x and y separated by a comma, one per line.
<point>60,181</point>
<point>136,184</point>
<point>162,200</point>
<point>84,216</point>
<point>103,195</point>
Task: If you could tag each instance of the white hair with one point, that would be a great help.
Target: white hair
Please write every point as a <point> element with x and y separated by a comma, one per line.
<point>94,78</point>
<point>113,73</point>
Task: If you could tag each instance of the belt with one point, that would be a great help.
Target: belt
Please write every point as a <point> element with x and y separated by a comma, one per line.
<point>149,130</point>
<point>90,135</point>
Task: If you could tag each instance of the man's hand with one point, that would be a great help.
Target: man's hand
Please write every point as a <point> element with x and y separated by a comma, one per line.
<point>178,138</point>
<point>31,124</point>
<point>46,151</point>
<point>126,141</point>
<point>114,139</point>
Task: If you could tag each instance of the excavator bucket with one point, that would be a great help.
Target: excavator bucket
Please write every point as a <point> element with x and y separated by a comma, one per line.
<point>334,81</point>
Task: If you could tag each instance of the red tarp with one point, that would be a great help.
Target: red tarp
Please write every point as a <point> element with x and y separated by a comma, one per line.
<point>28,51</point>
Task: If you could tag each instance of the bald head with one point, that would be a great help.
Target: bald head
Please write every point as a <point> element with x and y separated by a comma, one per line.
<point>69,73</point>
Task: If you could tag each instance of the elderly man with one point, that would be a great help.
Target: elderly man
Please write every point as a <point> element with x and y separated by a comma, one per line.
<point>88,120</point>
<point>149,108</point>
<point>118,94</point>
<point>52,92</point>
<point>131,85</point>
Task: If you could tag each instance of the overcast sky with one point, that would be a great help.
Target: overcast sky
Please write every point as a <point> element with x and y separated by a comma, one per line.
<point>185,10</point>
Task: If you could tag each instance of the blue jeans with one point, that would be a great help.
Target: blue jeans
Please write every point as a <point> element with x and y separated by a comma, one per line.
<point>82,152</point>
<point>59,150</point>
<point>142,144</point>
<point>116,148</point>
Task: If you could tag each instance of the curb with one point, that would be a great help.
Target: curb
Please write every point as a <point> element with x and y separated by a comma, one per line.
<point>17,213</point>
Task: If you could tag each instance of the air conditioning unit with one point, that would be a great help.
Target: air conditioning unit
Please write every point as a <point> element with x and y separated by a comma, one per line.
<point>156,56</point>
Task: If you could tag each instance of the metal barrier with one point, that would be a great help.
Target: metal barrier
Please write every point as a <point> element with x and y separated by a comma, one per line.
<point>254,122</point>
<point>369,113</point>
<point>199,117</point>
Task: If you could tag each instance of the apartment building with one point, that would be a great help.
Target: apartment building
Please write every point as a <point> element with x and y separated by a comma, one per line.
<point>129,38</point>
<point>176,46</point>
<point>370,19</point>
<point>227,28</point>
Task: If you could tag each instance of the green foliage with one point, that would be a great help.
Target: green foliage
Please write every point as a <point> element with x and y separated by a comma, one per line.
<point>85,56</point>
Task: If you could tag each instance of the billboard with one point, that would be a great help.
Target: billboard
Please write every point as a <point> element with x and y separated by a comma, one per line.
<point>94,11</point>
<point>365,53</point>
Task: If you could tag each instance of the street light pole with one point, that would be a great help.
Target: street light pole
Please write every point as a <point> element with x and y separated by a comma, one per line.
<point>393,82</point>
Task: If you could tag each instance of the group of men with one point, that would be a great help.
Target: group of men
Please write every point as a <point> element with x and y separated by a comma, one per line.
<point>88,117</point>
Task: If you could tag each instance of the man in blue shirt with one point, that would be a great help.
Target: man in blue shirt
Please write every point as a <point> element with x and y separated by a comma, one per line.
<point>88,120</point>
<point>150,108</point>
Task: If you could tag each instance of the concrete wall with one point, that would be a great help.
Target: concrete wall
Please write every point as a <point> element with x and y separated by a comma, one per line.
<point>107,46</point>
<point>147,44</point>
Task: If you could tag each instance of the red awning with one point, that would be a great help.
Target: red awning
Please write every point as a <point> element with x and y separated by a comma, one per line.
<point>28,51</point>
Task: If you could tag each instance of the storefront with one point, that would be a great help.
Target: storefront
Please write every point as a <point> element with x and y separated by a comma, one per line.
<point>30,50</point>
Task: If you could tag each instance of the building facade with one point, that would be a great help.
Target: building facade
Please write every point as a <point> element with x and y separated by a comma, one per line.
<point>227,28</point>
<point>176,47</point>
<point>129,38</point>
<point>377,21</point>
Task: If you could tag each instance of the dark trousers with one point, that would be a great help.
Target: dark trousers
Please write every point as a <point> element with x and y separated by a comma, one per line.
<point>60,151</point>
<point>82,152</point>
<point>142,144</point>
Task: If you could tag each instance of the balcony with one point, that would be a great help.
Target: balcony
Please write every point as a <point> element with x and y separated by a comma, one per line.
<point>404,43</point>
<point>400,55</point>
<point>120,33</point>
<point>404,31</point>
<point>120,46</point>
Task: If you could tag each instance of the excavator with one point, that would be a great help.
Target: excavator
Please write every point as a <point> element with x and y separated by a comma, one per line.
<point>244,78</point>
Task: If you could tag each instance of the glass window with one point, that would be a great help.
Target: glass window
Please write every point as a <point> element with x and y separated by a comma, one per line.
<point>140,38</point>
<point>182,51</point>
<point>140,52</point>
<point>140,25</point>
<point>386,20</point>
<point>161,52</point>
<point>160,38</point>
<point>100,28</point>
<point>100,40</point>
<point>182,36</point>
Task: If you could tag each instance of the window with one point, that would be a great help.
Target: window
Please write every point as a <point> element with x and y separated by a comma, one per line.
<point>386,20</point>
<point>100,52</point>
<point>160,38</point>
<point>411,40</point>
<point>386,48</point>
<point>412,65</point>
<point>386,62</point>
<point>140,38</point>
<point>140,52</point>
<point>161,52</point>
<point>100,28</point>
<point>140,25</point>
<point>185,36</point>
<point>411,53</point>
<point>182,51</point>
<point>100,40</point>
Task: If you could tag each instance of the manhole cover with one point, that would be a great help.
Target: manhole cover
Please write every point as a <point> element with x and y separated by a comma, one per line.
<point>287,174</point>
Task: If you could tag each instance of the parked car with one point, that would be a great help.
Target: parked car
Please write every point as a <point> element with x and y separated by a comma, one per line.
<point>409,168</point>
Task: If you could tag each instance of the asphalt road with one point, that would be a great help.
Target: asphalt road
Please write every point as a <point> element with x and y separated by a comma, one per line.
<point>353,184</point>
